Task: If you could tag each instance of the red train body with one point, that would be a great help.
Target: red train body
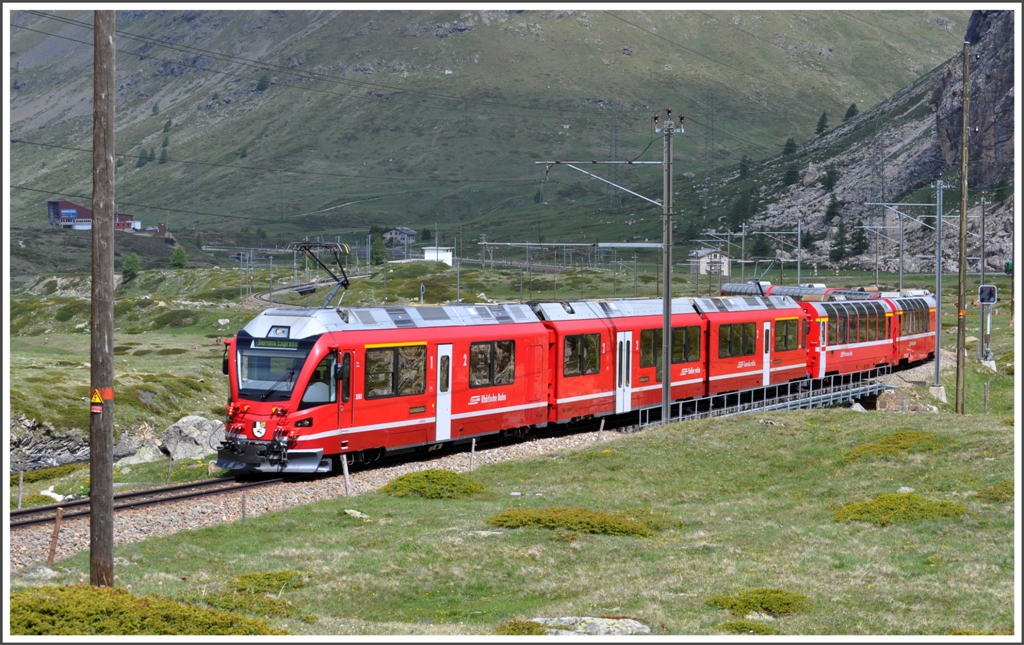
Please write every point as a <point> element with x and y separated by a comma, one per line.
<point>309,386</point>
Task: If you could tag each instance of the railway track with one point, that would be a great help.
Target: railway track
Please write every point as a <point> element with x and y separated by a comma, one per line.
<point>138,499</point>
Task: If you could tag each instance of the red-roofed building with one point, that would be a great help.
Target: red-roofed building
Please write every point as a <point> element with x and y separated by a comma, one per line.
<point>65,214</point>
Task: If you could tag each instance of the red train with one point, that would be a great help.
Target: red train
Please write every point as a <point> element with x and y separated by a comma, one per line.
<point>309,386</point>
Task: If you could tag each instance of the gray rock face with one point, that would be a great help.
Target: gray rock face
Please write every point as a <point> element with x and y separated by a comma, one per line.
<point>193,437</point>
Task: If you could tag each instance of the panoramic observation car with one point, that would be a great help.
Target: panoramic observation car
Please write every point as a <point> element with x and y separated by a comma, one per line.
<point>821,291</point>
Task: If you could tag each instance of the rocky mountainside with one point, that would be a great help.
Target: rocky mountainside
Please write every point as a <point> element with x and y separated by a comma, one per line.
<point>896,150</point>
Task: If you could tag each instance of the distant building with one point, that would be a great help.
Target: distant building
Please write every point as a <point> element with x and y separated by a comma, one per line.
<point>399,236</point>
<point>65,214</point>
<point>709,261</point>
<point>438,254</point>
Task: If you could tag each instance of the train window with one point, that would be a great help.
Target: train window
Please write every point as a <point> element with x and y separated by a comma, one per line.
<point>346,376</point>
<point>443,384</point>
<point>492,363</point>
<point>395,371</point>
<point>380,373</point>
<point>736,340</point>
<point>504,362</point>
<point>691,344</point>
<point>833,328</point>
<point>650,347</point>
<point>582,355</point>
<point>787,335</point>
<point>479,364</point>
<point>844,328</point>
<point>321,388</point>
<point>412,369</point>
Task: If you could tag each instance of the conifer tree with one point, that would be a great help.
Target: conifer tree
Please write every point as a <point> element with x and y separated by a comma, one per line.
<point>179,258</point>
<point>822,124</point>
<point>851,112</point>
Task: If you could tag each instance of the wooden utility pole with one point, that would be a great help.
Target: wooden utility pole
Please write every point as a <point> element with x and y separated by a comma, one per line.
<point>101,418</point>
<point>666,252</point>
<point>961,299</point>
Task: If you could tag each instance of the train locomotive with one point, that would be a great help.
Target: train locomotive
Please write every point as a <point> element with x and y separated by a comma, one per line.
<point>310,387</point>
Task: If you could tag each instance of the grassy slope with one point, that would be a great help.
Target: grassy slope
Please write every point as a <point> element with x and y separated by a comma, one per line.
<point>755,504</point>
<point>395,138</point>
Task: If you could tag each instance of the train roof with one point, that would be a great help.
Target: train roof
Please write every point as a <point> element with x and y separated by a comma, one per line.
<point>592,309</point>
<point>743,303</point>
<point>305,323</point>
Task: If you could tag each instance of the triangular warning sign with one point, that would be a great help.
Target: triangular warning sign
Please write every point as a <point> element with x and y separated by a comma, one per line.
<point>96,398</point>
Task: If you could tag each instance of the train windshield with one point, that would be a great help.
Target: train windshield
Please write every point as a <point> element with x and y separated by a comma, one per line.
<point>269,374</point>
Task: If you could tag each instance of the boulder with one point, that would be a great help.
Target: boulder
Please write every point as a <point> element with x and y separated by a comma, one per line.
<point>193,437</point>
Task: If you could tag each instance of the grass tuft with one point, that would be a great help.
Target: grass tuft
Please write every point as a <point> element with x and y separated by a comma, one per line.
<point>747,627</point>
<point>84,610</point>
<point>572,519</point>
<point>774,602</point>
<point>257,604</point>
<point>43,474</point>
<point>269,581</point>
<point>433,483</point>
<point>897,508</point>
<point>521,628</point>
<point>893,444</point>
<point>1000,492</point>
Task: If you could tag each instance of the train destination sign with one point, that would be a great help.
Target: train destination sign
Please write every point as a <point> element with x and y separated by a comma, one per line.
<point>270,343</point>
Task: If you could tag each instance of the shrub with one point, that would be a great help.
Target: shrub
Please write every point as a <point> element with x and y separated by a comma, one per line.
<point>1001,492</point>
<point>43,474</point>
<point>892,508</point>
<point>130,267</point>
<point>432,484</point>
<point>774,602</point>
<point>521,628</point>
<point>179,258</point>
<point>572,519</point>
<point>895,443</point>
<point>35,500</point>
<point>269,581</point>
<point>259,604</point>
<point>176,318</point>
<point>170,350</point>
<point>85,610</point>
<point>69,311</point>
<point>747,627</point>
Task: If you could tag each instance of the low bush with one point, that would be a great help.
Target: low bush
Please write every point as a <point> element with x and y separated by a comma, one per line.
<point>269,581</point>
<point>432,484</point>
<point>43,474</point>
<point>896,443</point>
<point>176,318</point>
<point>1000,492</point>
<point>84,610</point>
<point>169,351</point>
<point>572,519</point>
<point>747,627</point>
<point>521,628</point>
<point>773,602</point>
<point>897,508</point>
<point>257,604</point>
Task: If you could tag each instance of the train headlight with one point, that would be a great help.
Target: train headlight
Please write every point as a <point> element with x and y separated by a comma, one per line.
<point>305,423</point>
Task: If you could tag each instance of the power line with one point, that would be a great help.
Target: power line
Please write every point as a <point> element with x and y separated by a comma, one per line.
<point>275,170</point>
<point>276,220</point>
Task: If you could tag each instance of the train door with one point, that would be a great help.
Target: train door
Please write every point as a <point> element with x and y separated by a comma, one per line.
<point>345,407</point>
<point>766,353</point>
<point>623,367</point>
<point>444,393</point>
<point>822,345</point>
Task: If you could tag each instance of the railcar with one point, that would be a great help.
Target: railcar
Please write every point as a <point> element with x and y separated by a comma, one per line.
<point>913,328</point>
<point>849,336</point>
<point>607,355</point>
<point>753,341</point>
<point>309,386</point>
